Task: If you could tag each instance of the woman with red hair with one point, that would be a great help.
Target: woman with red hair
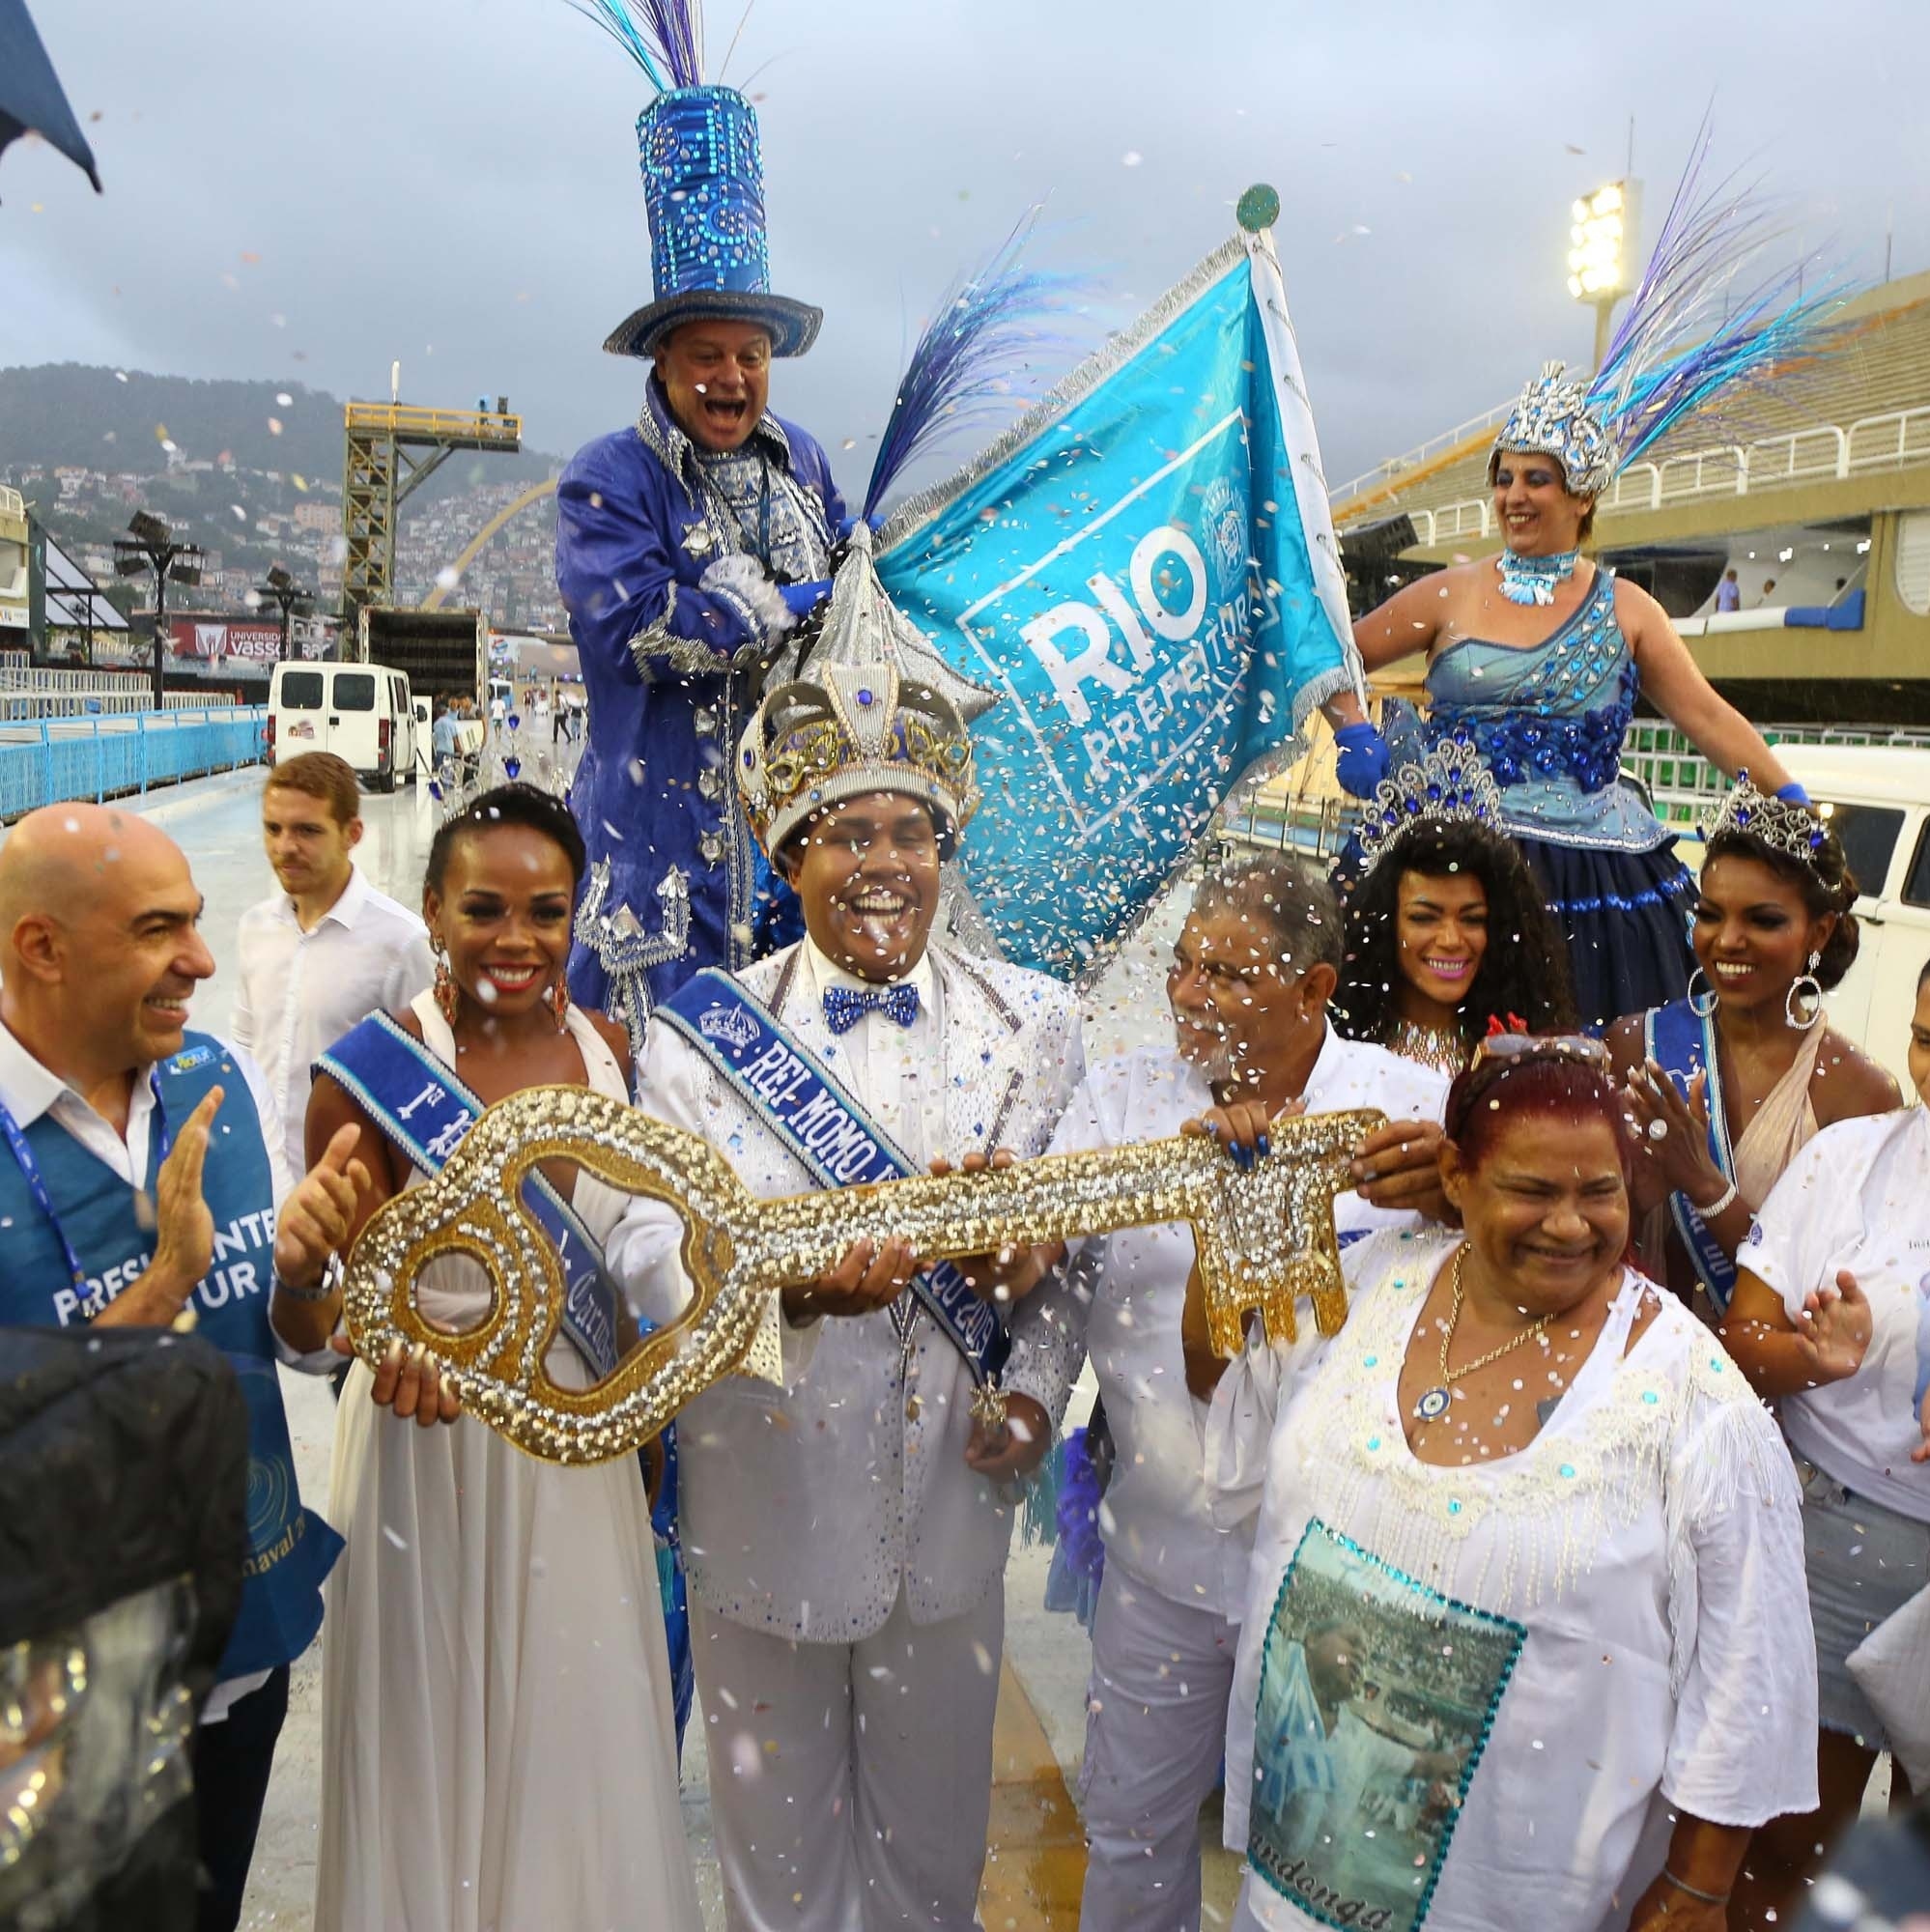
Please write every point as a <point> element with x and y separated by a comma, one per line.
<point>1528,1644</point>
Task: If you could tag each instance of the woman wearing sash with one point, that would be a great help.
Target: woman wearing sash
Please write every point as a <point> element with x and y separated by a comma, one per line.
<point>1725,1084</point>
<point>499,1745</point>
<point>1446,937</point>
<point>1528,1646</point>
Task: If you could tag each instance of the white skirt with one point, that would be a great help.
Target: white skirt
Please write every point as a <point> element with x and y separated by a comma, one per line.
<point>498,1737</point>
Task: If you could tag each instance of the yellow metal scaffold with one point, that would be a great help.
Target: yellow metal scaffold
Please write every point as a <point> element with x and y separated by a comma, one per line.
<point>389,449</point>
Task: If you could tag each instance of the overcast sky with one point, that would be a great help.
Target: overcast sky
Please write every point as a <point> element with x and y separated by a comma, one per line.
<point>310,192</point>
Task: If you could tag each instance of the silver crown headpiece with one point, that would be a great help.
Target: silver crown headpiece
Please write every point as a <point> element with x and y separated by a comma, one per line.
<point>1450,785</point>
<point>873,707</point>
<point>1785,827</point>
<point>1552,416</point>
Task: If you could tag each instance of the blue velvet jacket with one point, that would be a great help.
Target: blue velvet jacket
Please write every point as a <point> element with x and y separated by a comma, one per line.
<point>665,665</point>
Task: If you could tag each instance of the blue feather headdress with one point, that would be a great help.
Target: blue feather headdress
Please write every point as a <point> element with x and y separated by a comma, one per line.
<point>665,38</point>
<point>967,365</point>
<point>1699,331</point>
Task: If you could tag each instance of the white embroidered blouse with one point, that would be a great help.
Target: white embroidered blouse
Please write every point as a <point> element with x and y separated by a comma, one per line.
<point>1643,1554</point>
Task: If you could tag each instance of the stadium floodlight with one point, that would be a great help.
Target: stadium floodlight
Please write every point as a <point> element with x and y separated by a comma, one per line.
<point>1602,251</point>
<point>281,589</point>
<point>151,546</point>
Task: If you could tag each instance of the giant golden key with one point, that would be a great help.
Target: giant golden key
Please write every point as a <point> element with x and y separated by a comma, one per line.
<point>1264,1237</point>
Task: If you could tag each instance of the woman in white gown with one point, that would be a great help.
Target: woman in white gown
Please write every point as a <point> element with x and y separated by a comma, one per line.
<point>1528,1644</point>
<point>498,1744</point>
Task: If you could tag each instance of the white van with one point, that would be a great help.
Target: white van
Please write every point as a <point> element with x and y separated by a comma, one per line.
<point>1877,800</point>
<point>361,712</point>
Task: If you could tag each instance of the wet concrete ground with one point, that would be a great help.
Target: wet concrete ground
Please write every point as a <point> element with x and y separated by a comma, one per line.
<point>1036,1861</point>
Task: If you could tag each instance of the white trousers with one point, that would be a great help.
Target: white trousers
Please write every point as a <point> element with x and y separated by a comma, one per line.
<point>851,1784</point>
<point>1155,1734</point>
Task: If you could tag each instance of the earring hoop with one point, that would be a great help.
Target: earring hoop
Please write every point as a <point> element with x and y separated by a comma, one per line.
<point>1702,1009</point>
<point>1806,987</point>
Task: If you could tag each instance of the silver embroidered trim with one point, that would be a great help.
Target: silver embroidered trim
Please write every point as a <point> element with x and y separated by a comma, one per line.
<point>627,953</point>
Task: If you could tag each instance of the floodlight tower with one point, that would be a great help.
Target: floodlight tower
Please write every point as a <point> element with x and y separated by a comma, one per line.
<point>151,546</point>
<point>1602,252</point>
<point>281,590</point>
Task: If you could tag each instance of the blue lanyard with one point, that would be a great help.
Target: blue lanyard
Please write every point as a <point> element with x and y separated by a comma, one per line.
<point>37,1186</point>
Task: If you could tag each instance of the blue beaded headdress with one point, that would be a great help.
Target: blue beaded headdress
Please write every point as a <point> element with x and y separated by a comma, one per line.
<point>1696,330</point>
<point>703,187</point>
<point>1450,785</point>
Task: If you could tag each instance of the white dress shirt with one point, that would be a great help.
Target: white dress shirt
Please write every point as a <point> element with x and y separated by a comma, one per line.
<point>301,991</point>
<point>892,1069</point>
<point>1157,1524</point>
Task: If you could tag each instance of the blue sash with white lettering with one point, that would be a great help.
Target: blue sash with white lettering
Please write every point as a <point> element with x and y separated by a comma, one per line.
<point>832,1136</point>
<point>425,1109</point>
<point>1682,1042</point>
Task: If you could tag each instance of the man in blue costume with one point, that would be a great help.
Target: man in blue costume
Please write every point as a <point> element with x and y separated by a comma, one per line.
<point>687,547</point>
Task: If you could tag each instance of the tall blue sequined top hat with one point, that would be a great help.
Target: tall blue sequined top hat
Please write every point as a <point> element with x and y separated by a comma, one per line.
<point>704,187</point>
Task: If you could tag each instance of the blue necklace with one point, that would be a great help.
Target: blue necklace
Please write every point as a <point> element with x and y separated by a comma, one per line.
<point>1532,580</point>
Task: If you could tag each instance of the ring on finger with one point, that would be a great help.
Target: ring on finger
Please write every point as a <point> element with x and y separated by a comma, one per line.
<point>1658,1131</point>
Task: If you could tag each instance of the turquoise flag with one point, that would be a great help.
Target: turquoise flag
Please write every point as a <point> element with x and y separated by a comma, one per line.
<point>1144,570</point>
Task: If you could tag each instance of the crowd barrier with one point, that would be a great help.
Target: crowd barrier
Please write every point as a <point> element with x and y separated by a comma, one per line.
<point>56,758</point>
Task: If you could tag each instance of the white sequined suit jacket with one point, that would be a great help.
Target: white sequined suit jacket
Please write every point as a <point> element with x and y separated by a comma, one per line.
<point>806,1508</point>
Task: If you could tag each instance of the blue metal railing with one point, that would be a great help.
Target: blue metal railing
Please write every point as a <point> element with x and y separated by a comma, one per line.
<point>101,757</point>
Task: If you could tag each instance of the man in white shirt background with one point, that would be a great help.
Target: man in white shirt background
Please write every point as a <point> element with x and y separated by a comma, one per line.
<point>1253,970</point>
<point>327,949</point>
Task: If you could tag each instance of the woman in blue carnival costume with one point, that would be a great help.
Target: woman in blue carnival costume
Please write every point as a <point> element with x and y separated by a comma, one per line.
<point>688,547</point>
<point>1447,939</point>
<point>1538,654</point>
<point>1729,1083</point>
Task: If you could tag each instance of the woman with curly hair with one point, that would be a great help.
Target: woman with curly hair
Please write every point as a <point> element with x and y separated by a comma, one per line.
<point>1447,937</point>
<point>1725,1084</point>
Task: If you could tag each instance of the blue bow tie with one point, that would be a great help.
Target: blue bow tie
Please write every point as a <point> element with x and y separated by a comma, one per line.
<point>846,1006</point>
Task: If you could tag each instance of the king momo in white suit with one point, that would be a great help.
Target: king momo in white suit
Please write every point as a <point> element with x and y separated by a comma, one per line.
<point>845,1559</point>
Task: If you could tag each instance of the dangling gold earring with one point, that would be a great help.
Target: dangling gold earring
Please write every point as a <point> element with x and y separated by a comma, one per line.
<point>448,997</point>
<point>559,998</point>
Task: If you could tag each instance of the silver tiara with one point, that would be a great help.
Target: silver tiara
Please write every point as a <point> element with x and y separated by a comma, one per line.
<point>1450,785</point>
<point>1792,830</point>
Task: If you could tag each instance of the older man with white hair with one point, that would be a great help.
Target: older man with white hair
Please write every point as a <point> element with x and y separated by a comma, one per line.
<point>1252,973</point>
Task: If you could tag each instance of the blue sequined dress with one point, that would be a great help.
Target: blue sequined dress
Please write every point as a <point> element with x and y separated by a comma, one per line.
<point>1549,720</point>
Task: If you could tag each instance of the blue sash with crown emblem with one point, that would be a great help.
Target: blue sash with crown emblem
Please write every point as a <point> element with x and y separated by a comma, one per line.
<point>1682,1042</point>
<point>424,1108</point>
<point>838,1143</point>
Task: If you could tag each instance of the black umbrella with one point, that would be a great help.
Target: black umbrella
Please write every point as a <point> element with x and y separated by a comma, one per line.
<point>31,99</point>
